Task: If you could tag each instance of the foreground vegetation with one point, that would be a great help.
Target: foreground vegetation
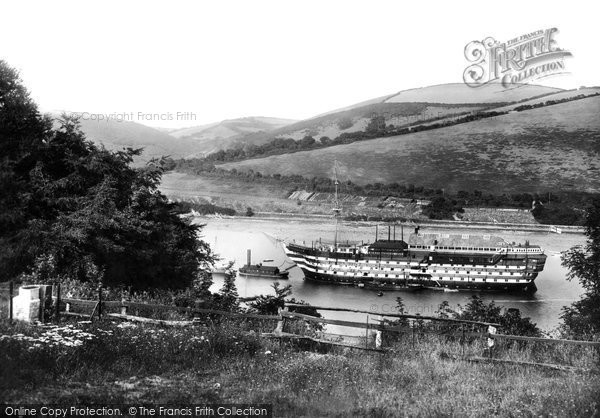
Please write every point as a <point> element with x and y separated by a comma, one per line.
<point>109,362</point>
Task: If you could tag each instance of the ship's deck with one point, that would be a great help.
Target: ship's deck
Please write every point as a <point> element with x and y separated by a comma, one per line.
<point>439,240</point>
<point>456,240</point>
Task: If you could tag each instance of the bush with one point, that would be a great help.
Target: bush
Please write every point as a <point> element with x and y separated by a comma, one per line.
<point>442,208</point>
<point>510,320</point>
<point>202,208</point>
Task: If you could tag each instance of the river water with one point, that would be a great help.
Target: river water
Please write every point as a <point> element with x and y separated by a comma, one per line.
<point>231,237</point>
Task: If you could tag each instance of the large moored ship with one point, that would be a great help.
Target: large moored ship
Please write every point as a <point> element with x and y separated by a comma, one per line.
<point>439,261</point>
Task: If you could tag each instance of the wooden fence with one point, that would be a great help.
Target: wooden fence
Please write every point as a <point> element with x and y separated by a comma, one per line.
<point>379,327</point>
<point>125,308</point>
<point>463,331</point>
<point>411,326</point>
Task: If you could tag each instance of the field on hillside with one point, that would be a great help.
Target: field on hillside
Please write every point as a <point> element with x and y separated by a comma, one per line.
<point>461,93</point>
<point>394,114</point>
<point>236,194</point>
<point>228,133</point>
<point>231,127</point>
<point>240,193</point>
<point>549,148</point>
<point>403,108</point>
<point>568,94</point>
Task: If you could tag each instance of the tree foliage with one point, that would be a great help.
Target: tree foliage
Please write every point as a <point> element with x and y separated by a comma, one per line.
<point>270,304</point>
<point>582,318</point>
<point>84,209</point>
<point>442,208</point>
<point>510,320</point>
<point>228,295</point>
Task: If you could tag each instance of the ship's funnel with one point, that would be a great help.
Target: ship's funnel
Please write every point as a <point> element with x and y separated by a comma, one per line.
<point>249,257</point>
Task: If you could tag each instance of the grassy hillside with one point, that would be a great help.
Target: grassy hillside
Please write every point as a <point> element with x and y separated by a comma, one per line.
<point>116,135</point>
<point>400,109</point>
<point>548,148</point>
<point>461,93</point>
<point>405,108</point>
<point>563,95</point>
<point>228,133</point>
<point>357,119</point>
<point>231,127</point>
<point>181,143</point>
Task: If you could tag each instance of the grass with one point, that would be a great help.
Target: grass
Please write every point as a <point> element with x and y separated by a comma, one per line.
<point>549,148</point>
<point>461,93</point>
<point>116,135</point>
<point>226,363</point>
<point>403,108</point>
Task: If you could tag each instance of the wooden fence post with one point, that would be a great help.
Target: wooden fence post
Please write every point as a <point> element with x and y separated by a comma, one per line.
<point>490,341</point>
<point>379,334</point>
<point>100,301</point>
<point>279,329</point>
<point>367,333</point>
<point>462,339</point>
<point>10,300</point>
<point>57,316</point>
<point>123,307</point>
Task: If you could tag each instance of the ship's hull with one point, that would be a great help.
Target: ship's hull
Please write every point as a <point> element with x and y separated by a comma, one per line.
<point>280,276</point>
<point>416,285</point>
<point>418,269</point>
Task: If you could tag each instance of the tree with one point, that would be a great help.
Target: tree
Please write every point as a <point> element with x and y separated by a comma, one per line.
<point>510,320</point>
<point>306,142</point>
<point>442,208</point>
<point>83,208</point>
<point>325,141</point>
<point>22,134</point>
<point>202,284</point>
<point>582,318</point>
<point>269,304</point>
<point>376,124</point>
<point>229,298</point>
<point>391,337</point>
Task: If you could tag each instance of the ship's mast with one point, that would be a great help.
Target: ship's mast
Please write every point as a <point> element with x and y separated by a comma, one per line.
<point>336,203</point>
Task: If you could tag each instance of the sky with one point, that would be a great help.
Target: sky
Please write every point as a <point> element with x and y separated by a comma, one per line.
<point>215,60</point>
